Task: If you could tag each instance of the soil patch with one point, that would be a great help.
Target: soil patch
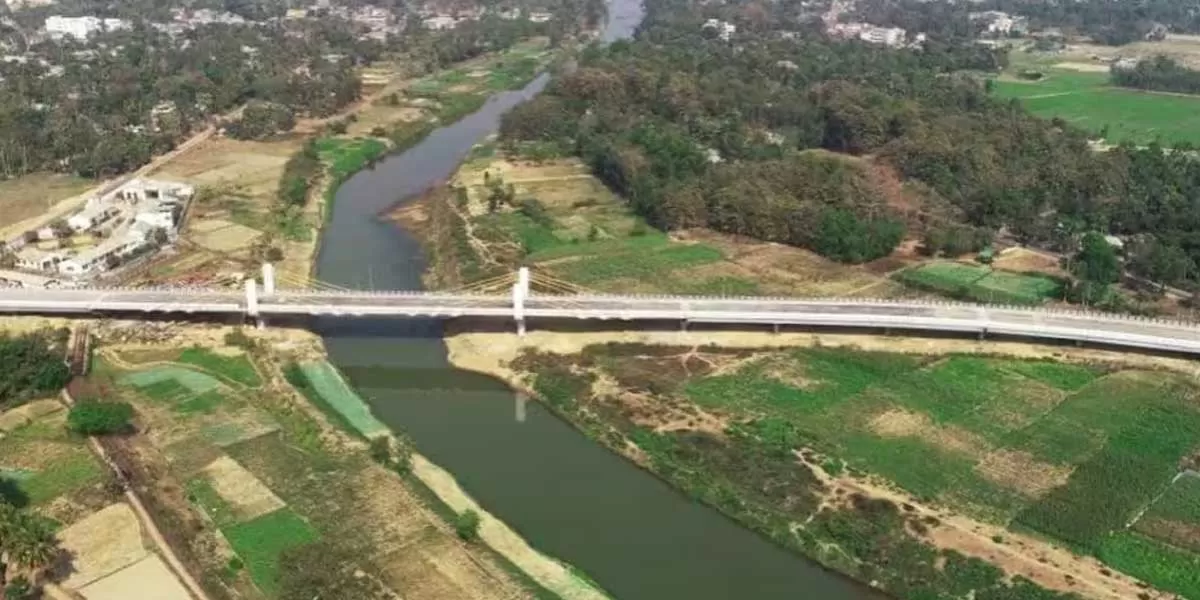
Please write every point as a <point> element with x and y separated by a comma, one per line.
<point>100,545</point>
<point>241,489</point>
<point>23,415</point>
<point>903,423</point>
<point>148,578</point>
<point>1022,472</point>
<point>223,236</point>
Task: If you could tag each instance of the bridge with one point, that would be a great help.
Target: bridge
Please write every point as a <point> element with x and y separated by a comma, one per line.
<point>262,301</point>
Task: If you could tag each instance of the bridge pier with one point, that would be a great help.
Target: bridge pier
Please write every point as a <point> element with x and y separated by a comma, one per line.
<point>775,328</point>
<point>520,291</point>
<point>683,325</point>
<point>982,334</point>
<point>268,278</point>
<point>252,303</point>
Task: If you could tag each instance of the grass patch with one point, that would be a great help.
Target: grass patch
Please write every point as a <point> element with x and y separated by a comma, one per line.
<point>237,369</point>
<point>79,469</point>
<point>637,265</point>
<point>201,493</point>
<point>1086,100</point>
<point>983,284</point>
<point>325,388</point>
<point>1164,567</point>
<point>194,381</point>
<point>1064,376</point>
<point>1104,493</point>
<point>260,541</point>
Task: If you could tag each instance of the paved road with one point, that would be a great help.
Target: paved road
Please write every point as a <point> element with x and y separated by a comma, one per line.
<point>928,316</point>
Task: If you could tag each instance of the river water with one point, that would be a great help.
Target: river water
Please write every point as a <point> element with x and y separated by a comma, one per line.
<point>567,495</point>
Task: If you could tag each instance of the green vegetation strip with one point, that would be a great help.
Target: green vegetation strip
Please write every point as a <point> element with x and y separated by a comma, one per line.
<point>983,284</point>
<point>324,386</point>
<point>237,368</point>
<point>260,541</point>
<point>156,376</point>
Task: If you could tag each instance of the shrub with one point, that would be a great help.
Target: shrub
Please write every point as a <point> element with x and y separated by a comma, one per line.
<point>100,418</point>
<point>239,339</point>
<point>466,524</point>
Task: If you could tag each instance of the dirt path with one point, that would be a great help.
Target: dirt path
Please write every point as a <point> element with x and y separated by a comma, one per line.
<point>147,523</point>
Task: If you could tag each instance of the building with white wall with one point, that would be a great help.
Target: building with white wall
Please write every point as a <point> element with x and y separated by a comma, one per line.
<point>81,27</point>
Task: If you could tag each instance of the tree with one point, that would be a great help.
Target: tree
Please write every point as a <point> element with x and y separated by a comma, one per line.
<point>27,545</point>
<point>100,418</point>
<point>1097,261</point>
<point>466,525</point>
<point>1161,262</point>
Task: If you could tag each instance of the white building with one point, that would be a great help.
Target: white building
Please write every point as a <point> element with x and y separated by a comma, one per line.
<point>33,259</point>
<point>91,216</point>
<point>440,23</point>
<point>540,17</point>
<point>888,36</point>
<point>725,30</point>
<point>81,27</point>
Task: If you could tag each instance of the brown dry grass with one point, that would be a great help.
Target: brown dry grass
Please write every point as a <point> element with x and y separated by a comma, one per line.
<point>903,423</point>
<point>248,496</point>
<point>30,197</point>
<point>1020,471</point>
<point>1024,260</point>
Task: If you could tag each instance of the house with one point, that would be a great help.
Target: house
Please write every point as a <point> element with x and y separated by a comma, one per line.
<point>96,259</point>
<point>91,217</point>
<point>887,36</point>
<point>540,17</point>
<point>81,27</point>
<point>440,23</point>
<point>33,259</point>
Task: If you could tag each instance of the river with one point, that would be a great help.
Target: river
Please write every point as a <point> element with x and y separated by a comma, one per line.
<point>570,497</point>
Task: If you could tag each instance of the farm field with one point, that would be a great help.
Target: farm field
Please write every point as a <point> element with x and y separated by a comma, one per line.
<point>1086,100</point>
<point>981,283</point>
<point>570,227</point>
<point>249,472</point>
<point>931,457</point>
<point>35,194</point>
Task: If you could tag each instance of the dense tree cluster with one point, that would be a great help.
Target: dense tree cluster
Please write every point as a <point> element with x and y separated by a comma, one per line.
<point>696,131</point>
<point>261,120</point>
<point>108,105</point>
<point>33,366</point>
<point>1160,73</point>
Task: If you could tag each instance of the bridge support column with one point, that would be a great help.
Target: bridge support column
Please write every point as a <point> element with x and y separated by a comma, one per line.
<point>683,325</point>
<point>252,302</point>
<point>519,294</point>
<point>268,279</point>
<point>982,334</point>
<point>775,328</point>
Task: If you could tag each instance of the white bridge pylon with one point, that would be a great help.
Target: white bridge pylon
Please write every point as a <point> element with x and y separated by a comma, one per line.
<point>520,291</point>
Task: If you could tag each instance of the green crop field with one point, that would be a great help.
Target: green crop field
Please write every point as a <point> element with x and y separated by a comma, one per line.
<point>949,430</point>
<point>260,541</point>
<point>983,284</point>
<point>1175,516</point>
<point>237,369</point>
<point>1089,102</point>
<point>1072,452</point>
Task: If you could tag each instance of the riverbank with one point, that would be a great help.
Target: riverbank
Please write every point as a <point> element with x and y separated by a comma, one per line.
<point>644,398</point>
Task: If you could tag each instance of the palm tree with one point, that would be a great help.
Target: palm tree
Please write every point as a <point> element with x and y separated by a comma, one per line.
<point>27,544</point>
<point>33,548</point>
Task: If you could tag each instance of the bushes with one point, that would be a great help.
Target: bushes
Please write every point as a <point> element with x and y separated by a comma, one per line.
<point>298,173</point>
<point>466,525</point>
<point>32,365</point>
<point>100,418</point>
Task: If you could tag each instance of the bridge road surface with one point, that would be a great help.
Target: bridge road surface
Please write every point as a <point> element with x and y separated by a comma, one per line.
<point>1098,328</point>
